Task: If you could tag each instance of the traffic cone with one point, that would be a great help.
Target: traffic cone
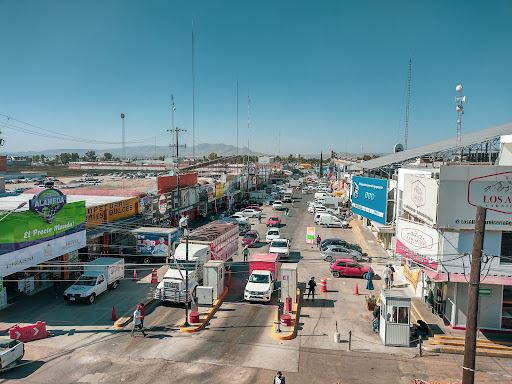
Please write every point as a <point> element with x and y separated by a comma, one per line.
<point>356,291</point>
<point>134,275</point>
<point>114,317</point>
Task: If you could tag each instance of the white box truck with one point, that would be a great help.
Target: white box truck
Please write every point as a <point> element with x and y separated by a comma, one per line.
<point>156,244</point>
<point>217,240</point>
<point>99,275</point>
<point>327,220</point>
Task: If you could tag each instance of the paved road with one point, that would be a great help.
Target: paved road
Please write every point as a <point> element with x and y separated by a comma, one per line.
<point>236,345</point>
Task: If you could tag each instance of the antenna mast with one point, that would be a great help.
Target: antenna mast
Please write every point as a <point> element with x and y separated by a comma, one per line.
<point>193,98</point>
<point>460,111</point>
<point>407,105</point>
<point>123,138</point>
<point>248,123</point>
<point>237,117</point>
<point>172,130</point>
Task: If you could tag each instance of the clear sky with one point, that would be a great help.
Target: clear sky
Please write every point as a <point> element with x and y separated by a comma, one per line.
<point>322,75</point>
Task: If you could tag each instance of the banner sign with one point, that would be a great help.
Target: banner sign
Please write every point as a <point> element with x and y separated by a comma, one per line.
<point>417,242</point>
<point>420,197</point>
<point>412,274</point>
<point>24,258</point>
<point>462,188</point>
<point>104,213</point>
<point>310,235</point>
<point>219,190</point>
<point>157,244</point>
<point>47,203</point>
<point>25,229</point>
<point>369,198</point>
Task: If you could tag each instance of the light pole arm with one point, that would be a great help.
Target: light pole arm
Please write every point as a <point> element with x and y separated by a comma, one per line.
<point>15,209</point>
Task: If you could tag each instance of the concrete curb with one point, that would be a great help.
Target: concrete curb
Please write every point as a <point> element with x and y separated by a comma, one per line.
<point>295,317</point>
<point>209,314</point>
<point>128,316</point>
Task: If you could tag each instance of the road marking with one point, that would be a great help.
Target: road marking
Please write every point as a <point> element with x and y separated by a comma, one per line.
<point>250,305</point>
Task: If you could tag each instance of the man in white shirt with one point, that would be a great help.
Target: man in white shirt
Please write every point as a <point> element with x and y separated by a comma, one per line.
<point>387,276</point>
<point>137,322</point>
<point>279,378</point>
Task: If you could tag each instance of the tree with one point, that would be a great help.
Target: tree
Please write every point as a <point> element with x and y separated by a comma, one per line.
<point>36,158</point>
<point>107,156</point>
<point>212,156</point>
<point>90,155</point>
<point>65,158</point>
<point>75,157</point>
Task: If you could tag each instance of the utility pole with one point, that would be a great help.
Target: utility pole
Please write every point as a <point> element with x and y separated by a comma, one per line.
<point>123,138</point>
<point>177,130</point>
<point>172,130</point>
<point>468,370</point>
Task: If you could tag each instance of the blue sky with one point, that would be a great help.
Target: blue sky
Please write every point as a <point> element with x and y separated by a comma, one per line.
<point>322,75</point>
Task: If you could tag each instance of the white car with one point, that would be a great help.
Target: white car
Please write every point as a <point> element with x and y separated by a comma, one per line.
<point>239,216</point>
<point>277,206</point>
<point>272,234</point>
<point>280,246</point>
<point>251,213</point>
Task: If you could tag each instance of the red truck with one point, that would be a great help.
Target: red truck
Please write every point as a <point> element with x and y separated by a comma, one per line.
<point>263,271</point>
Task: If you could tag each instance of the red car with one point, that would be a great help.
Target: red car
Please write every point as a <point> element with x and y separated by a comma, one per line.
<point>348,267</point>
<point>256,207</point>
<point>251,238</point>
<point>273,221</point>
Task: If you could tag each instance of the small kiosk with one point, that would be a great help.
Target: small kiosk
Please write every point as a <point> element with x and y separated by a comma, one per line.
<point>395,306</point>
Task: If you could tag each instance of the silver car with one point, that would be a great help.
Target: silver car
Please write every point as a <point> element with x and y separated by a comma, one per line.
<point>333,252</point>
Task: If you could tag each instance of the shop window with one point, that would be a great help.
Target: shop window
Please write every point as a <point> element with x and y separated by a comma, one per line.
<point>506,312</point>
<point>398,315</point>
<point>506,247</point>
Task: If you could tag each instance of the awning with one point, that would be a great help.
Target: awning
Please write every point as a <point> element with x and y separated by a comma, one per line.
<point>461,278</point>
<point>116,225</point>
<point>383,228</point>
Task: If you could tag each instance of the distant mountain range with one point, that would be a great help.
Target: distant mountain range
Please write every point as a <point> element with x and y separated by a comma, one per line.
<point>148,151</point>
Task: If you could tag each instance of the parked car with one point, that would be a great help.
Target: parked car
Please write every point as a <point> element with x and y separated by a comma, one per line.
<point>273,221</point>
<point>348,267</point>
<point>251,238</point>
<point>280,246</point>
<point>341,242</point>
<point>278,205</point>
<point>240,217</point>
<point>256,207</point>
<point>248,212</point>
<point>333,252</point>
<point>272,234</point>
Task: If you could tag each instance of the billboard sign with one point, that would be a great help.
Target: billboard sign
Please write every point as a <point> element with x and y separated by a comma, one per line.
<point>420,197</point>
<point>47,203</point>
<point>103,213</point>
<point>369,198</point>
<point>154,244</point>
<point>462,188</point>
<point>417,242</point>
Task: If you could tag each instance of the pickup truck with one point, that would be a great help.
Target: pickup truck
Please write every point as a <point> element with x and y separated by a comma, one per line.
<point>263,274</point>
<point>99,275</point>
<point>11,352</point>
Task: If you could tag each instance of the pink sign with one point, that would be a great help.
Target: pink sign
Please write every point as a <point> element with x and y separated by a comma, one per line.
<point>401,249</point>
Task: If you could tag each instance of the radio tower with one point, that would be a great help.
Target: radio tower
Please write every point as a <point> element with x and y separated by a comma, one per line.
<point>407,105</point>
<point>123,139</point>
<point>460,111</point>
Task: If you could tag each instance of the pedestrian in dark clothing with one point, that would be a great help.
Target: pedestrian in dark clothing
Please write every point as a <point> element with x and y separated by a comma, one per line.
<point>318,241</point>
<point>312,285</point>
<point>421,329</point>
<point>56,286</point>
<point>279,378</point>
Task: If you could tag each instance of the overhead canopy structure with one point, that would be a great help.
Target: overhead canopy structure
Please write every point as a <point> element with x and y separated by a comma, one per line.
<point>485,139</point>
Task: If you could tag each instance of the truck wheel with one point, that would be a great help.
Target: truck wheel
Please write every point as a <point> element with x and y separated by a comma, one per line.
<point>91,298</point>
<point>114,284</point>
<point>336,274</point>
<point>146,260</point>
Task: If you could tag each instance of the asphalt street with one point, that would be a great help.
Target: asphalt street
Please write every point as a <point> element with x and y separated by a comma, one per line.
<point>236,345</point>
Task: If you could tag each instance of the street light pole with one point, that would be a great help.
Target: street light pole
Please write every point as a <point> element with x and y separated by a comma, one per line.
<point>21,205</point>
<point>184,224</point>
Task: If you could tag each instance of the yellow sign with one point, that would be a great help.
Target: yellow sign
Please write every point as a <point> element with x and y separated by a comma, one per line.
<point>100,214</point>
<point>412,275</point>
<point>219,190</point>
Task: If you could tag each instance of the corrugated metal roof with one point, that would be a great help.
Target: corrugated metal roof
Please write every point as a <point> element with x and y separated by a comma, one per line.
<point>468,139</point>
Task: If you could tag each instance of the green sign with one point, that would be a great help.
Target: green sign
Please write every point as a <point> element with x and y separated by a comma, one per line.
<point>484,292</point>
<point>21,229</point>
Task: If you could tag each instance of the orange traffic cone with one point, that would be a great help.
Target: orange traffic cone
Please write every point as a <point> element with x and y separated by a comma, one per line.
<point>114,317</point>
<point>356,291</point>
<point>134,275</point>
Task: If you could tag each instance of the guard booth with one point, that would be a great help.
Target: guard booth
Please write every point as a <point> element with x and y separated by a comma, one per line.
<point>213,282</point>
<point>289,282</point>
<point>395,307</point>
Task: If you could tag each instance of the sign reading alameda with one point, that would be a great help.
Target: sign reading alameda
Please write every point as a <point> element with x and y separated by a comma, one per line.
<point>47,203</point>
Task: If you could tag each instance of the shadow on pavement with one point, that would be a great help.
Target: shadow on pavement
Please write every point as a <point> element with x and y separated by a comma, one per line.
<point>318,303</point>
<point>22,371</point>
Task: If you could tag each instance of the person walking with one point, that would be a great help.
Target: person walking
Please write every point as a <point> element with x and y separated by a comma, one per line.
<point>142,314</point>
<point>387,276</point>
<point>245,252</point>
<point>279,378</point>
<point>137,322</point>
<point>392,277</point>
<point>259,218</point>
<point>311,285</point>
<point>56,286</point>
<point>318,241</point>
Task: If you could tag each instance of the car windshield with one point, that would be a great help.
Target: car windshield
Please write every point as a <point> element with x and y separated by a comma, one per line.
<point>271,233</point>
<point>259,279</point>
<point>86,280</point>
<point>273,219</point>
<point>250,236</point>
<point>279,244</point>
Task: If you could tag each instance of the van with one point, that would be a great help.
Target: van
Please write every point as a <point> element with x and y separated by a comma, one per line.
<point>320,194</point>
<point>318,216</point>
<point>327,220</point>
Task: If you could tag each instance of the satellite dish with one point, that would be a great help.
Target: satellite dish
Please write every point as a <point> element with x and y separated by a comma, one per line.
<point>171,173</point>
<point>398,148</point>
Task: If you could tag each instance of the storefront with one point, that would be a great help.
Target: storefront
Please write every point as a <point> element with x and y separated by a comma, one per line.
<point>39,234</point>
